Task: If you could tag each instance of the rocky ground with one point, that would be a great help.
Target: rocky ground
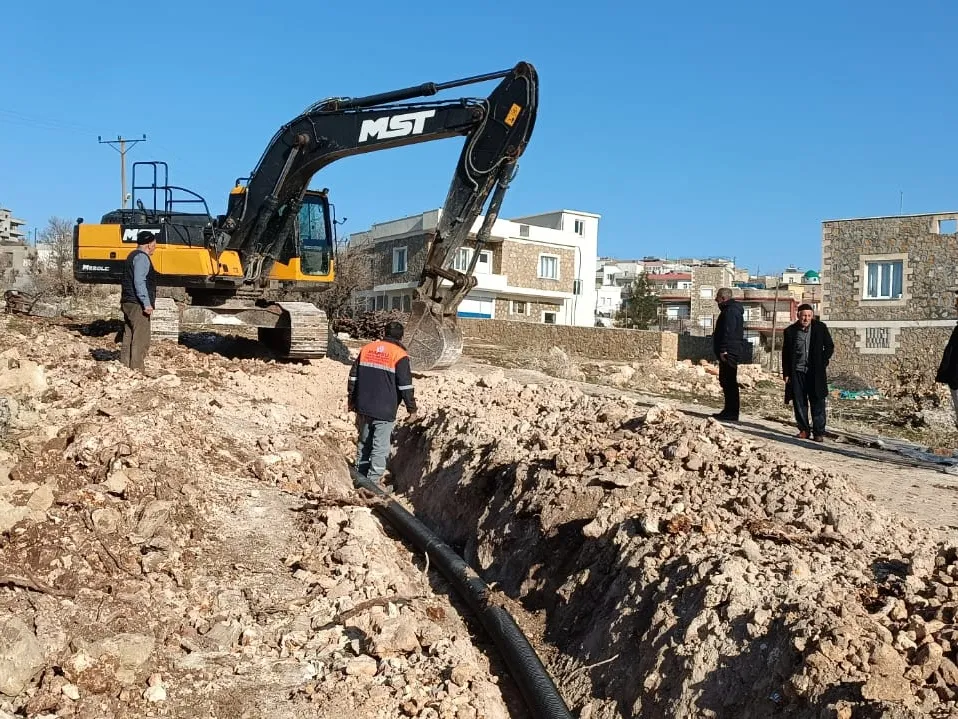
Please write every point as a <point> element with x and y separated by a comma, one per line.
<point>917,411</point>
<point>189,544</point>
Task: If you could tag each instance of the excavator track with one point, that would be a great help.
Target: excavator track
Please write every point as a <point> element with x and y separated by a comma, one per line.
<point>305,337</point>
<point>165,320</point>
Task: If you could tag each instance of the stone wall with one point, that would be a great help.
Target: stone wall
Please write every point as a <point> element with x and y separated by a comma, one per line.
<point>591,342</point>
<point>382,260</point>
<point>930,265</point>
<point>519,261</point>
<point>919,350</point>
<point>533,313</point>
<point>876,338</point>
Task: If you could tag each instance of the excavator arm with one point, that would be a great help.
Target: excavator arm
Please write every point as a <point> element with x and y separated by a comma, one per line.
<point>497,130</point>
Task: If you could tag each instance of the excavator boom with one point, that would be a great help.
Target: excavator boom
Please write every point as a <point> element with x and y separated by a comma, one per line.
<point>497,130</point>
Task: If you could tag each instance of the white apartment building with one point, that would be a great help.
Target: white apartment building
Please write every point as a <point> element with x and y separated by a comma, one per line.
<point>539,268</point>
<point>11,229</point>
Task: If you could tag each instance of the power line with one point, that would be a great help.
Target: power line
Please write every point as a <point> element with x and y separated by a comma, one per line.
<point>120,145</point>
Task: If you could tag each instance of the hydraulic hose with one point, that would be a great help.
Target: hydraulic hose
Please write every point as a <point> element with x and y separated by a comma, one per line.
<point>538,690</point>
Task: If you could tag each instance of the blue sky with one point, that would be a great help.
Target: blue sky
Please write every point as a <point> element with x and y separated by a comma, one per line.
<point>695,128</point>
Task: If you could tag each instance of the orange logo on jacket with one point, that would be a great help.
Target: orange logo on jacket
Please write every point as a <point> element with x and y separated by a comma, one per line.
<point>384,355</point>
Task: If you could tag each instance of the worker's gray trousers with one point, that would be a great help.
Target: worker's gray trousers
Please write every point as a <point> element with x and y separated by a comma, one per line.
<point>373,451</point>
<point>954,401</point>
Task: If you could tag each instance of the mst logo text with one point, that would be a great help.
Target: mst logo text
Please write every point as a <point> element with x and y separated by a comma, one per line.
<point>386,128</point>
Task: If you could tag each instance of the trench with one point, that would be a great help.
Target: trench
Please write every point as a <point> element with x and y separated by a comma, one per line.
<point>632,624</point>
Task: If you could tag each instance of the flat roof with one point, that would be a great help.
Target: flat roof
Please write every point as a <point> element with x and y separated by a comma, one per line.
<point>891,217</point>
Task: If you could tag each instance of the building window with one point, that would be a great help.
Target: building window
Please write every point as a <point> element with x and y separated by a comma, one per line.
<point>523,230</point>
<point>407,303</point>
<point>460,262</point>
<point>577,287</point>
<point>549,267</point>
<point>399,260</point>
<point>371,304</point>
<point>706,293</point>
<point>579,226</point>
<point>381,302</point>
<point>518,307</point>
<point>484,265</point>
<point>883,280</point>
<point>877,338</point>
<point>549,318</point>
<point>396,302</point>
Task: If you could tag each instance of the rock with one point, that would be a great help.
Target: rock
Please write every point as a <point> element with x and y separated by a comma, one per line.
<point>70,691</point>
<point>128,651</point>
<point>42,499</point>
<point>155,693</point>
<point>21,656</point>
<point>886,689</point>
<point>225,635</point>
<point>363,666</point>
<point>11,515</point>
<point>106,520</point>
<point>117,482</point>
<point>492,379</point>
<point>154,515</point>
<point>397,636</point>
<point>928,659</point>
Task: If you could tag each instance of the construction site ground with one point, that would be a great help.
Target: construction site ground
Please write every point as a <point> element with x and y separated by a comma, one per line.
<point>189,543</point>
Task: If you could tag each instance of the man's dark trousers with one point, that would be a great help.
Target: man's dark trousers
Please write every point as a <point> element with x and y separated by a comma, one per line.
<point>801,399</point>
<point>728,379</point>
<point>136,336</point>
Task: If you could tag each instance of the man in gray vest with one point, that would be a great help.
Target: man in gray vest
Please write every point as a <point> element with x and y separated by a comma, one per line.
<point>137,300</point>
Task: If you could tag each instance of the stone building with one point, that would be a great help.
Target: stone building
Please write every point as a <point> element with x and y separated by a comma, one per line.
<point>885,292</point>
<point>539,268</point>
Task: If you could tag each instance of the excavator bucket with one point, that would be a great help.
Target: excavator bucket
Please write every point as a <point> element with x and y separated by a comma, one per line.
<point>433,340</point>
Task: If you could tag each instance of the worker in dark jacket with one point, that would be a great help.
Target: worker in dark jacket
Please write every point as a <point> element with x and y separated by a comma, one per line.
<point>728,343</point>
<point>137,300</point>
<point>948,368</point>
<point>379,380</point>
<point>807,348</point>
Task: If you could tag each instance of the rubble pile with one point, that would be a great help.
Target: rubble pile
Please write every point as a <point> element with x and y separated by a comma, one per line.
<point>678,569</point>
<point>682,378</point>
<point>189,544</point>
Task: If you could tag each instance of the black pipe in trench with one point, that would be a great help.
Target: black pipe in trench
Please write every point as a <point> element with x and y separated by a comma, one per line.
<point>538,690</point>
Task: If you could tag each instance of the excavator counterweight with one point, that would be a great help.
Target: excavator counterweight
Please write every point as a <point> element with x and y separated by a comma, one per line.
<point>276,235</point>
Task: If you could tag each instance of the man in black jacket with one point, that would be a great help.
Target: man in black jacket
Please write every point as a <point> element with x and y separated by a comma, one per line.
<point>728,343</point>
<point>381,378</point>
<point>807,348</point>
<point>948,368</point>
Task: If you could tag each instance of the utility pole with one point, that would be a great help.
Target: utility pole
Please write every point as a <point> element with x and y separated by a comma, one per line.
<point>120,145</point>
<point>771,355</point>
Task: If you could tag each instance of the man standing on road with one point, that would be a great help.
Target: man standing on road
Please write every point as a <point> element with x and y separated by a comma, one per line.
<point>948,368</point>
<point>807,348</point>
<point>137,300</point>
<point>728,343</point>
<point>381,378</point>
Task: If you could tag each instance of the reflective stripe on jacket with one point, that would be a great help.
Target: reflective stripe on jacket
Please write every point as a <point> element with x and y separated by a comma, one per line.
<point>380,379</point>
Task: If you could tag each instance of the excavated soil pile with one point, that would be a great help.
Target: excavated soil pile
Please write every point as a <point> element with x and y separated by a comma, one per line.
<point>189,544</point>
<point>675,569</point>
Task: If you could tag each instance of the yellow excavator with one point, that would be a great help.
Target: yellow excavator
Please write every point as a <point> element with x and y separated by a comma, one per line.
<point>277,235</point>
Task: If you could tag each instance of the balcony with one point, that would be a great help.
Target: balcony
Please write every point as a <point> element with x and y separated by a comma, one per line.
<point>486,281</point>
<point>491,282</point>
